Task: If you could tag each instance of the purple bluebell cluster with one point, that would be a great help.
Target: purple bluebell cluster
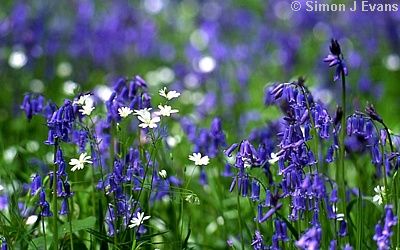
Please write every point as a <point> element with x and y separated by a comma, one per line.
<point>384,231</point>
<point>130,93</point>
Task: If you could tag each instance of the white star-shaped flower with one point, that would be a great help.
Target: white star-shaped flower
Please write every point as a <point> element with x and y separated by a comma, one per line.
<point>274,158</point>
<point>148,121</point>
<point>86,109</point>
<point>380,192</point>
<point>199,160</point>
<point>80,163</point>
<point>170,94</point>
<point>141,112</point>
<point>124,112</point>
<point>165,110</point>
<point>82,100</point>
<point>163,173</point>
<point>138,220</point>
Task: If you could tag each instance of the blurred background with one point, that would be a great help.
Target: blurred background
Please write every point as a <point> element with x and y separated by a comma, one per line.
<point>219,54</point>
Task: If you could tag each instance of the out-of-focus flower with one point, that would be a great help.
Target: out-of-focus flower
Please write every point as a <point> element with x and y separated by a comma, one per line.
<point>165,110</point>
<point>138,220</point>
<point>4,245</point>
<point>310,239</point>
<point>170,94</point>
<point>199,160</point>
<point>80,163</point>
<point>31,220</point>
<point>384,232</point>
<point>380,193</point>
<point>124,112</point>
<point>147,120</point>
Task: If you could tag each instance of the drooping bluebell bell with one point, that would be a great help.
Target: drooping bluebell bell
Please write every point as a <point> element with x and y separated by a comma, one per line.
<point>348,247</point>
<point>370,110</point>
<point>32,105</point>
<point>383,232</point>
<point>60,124</point>
<point>343,228</point>
<point>336,59</point>
<point>258,242</point>
<point>4,245</point>
<point>255,190</point>
<point>206,141</point>
<point>44,205</point>
<point>36,184</point>
<point>333,245</point>
<point>64,207</point>
<point>311,239</point>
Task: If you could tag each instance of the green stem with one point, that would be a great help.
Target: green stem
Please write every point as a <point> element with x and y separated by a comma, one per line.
<point>340,170</point>
<point>44,233</point>
<point>70,225</point>
<point>240,220</point>
<point>313,129</point>
<point>55,226</point>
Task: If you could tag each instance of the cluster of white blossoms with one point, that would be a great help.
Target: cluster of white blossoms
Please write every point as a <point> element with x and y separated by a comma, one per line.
<point>86,104</point>
<point>150,119</point>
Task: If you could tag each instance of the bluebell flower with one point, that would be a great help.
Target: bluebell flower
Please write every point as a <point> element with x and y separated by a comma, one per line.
<point>255,190</point>
<point>336,59</point>
<point>333,245</point>
<point>4,245</point>
<point>258,242</point>
<point>384,232</point>
<point>330,154</point>
<point>32,105</point>
<point>36,184</point>
<point>348,247</point>
<point>343,228</point>
<point>44,205</point>
<point>370,110</point>
<point>64,207</point>
<point>311,239</point>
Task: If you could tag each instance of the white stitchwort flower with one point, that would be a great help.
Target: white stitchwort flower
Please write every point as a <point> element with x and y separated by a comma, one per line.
<point>138,220</point>
<point>147,120</point>
<point>163,174</point>
<point>86,109</point>
<point>274,158</point>
<point>124,112</point>
<point>141,112</point>
<point>165,110</point>
<point>380,193</point>
<point>80,163</point>
<point>199,160</point>
<point>31,220</point>
<point>170,94</point>
<point>82,100</point>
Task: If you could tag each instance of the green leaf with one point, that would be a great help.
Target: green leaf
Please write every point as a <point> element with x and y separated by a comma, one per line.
<point>77,225</point>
